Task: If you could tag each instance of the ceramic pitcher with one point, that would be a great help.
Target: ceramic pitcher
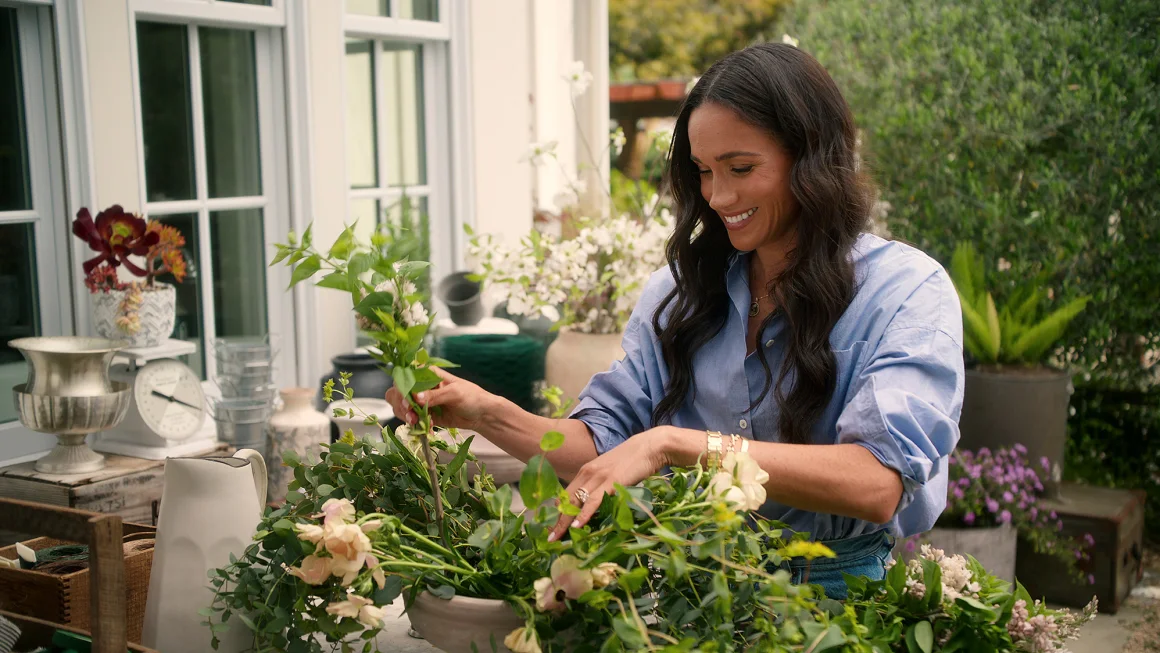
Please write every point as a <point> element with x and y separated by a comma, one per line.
<point>210,508</point>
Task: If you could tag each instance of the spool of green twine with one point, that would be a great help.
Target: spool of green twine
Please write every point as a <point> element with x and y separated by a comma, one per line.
<point>505,365</point>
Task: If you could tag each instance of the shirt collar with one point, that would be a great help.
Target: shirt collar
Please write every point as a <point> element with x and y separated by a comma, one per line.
<point>737,283</point>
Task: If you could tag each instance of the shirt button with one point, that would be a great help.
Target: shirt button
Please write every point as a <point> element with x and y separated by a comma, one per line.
<point>743,424</point>
<point>769,343</point>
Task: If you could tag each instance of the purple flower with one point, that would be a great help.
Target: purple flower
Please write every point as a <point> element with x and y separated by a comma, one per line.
<point>969,518</point>
<point>1008,497</point>
<point>1005,517</point>
<point>1020,449</point>
<point>1091,579</point>
<point>1059,525</point>
<point>1045,463</point>
<point>958,492</point>
<point>992,505</point>
<point>1088,539</point>
<point>1053,515</point>
<point>1034,512</point>
<point>984,452</point>
<point>911,545</point>
<point>1078,554</point>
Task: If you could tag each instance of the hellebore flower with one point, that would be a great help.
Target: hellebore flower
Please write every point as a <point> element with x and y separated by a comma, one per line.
<point>314,570</point>
<point>567,581</point>
<point>741,482</point>
<point>522,640</point>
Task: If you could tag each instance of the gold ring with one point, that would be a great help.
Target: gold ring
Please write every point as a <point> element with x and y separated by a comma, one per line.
<point>582,496</point>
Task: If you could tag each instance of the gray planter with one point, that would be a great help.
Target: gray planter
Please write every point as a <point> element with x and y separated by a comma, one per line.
<point>1007,406</point>
<point>993,547</point>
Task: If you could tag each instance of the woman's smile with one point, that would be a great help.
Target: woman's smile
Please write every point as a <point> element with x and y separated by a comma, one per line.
<point>738,220</point>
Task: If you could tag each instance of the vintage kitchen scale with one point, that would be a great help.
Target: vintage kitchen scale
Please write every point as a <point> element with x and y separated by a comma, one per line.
<point>167,412</point>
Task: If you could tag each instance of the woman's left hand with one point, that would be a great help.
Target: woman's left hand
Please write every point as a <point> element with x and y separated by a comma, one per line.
<point>628,463</point>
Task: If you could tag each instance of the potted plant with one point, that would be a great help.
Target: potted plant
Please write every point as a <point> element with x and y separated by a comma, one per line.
<point>942,602</point>
<point>584,273</point>
<point>677,562</point>
<point>992,499</point>
<point>1012,395</point>
<point>139,312</point>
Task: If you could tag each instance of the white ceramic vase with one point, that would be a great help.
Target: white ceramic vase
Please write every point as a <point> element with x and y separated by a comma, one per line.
<point>297,427</point>
<point>574,358</point>
<point>210,508</point>
<point>156,314</point>
<point>454,625</point>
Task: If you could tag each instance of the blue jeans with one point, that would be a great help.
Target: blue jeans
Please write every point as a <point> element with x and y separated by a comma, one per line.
<point>862,555</point>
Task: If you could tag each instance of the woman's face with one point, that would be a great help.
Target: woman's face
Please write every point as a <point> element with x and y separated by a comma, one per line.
<point>744,176</point>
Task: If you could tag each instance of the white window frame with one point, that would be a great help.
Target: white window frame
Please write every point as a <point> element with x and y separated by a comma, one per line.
<point>275,202</point>
<point>446,115</point>
<point>35,26</point>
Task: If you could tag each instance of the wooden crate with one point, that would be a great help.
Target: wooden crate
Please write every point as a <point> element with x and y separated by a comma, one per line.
<point>1115,518</point>
<point>64,598</point>
<point>102,534</point>
<point>38,632</point>
<point>127,487</point>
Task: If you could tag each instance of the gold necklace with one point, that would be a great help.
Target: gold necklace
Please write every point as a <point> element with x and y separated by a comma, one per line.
<point>754,308</point>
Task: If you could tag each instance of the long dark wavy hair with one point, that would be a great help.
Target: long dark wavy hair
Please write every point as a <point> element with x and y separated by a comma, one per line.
<point>786,92</point>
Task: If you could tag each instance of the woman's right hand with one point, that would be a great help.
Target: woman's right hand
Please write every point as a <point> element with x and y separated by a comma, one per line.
<point>461,403</point>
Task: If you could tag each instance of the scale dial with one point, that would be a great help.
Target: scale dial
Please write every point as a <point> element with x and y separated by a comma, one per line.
<point>169,399</point>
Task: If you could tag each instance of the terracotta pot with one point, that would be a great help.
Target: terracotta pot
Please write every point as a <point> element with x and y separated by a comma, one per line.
<point>156,315</point>
<point>994,547</point>
<point>1028,406</point>
<point>672,90</point>
<point>574,358</point>
<point>453,626</point>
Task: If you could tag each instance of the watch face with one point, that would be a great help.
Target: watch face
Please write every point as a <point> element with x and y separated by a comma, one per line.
<point>169,398</point>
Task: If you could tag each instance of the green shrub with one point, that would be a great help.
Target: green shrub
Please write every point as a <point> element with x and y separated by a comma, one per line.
<point>1028,127</point>
<point>677,39</point>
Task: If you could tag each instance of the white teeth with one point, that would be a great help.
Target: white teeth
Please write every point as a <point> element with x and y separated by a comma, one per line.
<point>738,218</point>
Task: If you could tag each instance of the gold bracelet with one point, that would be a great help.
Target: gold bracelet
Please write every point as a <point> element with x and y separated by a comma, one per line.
<point>713,448</point>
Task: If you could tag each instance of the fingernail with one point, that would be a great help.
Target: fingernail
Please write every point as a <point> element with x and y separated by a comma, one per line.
<point>551,537</point>
<point>575,523</point>
<point>422,396</point>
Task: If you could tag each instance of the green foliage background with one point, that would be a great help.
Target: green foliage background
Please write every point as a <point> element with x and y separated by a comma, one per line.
<point>679,39</point>
<point>1030,128</point>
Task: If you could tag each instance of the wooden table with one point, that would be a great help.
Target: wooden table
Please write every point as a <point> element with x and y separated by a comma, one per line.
<point>127,487</point>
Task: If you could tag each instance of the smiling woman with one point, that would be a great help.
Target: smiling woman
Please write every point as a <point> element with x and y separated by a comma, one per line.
<point>778,325</point>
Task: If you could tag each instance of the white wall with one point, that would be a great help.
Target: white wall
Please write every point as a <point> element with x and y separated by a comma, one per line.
<point>112,116</point>
<point>333,324</point>
<point>502,94</point>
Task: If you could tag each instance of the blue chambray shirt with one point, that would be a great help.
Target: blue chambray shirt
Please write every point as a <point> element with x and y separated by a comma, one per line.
<point>899,393</point>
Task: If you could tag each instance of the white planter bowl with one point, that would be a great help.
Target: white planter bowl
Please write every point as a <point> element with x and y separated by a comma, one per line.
<point>453,626</point>
<point>157,314</point>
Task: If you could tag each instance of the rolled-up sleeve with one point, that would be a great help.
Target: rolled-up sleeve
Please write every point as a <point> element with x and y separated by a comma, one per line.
<point>618,404</point>
<point>909,395</point>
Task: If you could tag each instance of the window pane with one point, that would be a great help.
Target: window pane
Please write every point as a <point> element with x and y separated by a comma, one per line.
<point>14,178</point>
<point>361,147</point>
<point>237,248</point>
<point>166,113</point>
<point>229,84</point>
<point>419,9</point>
<point>265,3</point>
<point>401,79</point>
<point>408,215</point>
<point>366,212</point>
<point>188,324</point>
<point>369,7</point>
<point>19,309</point>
